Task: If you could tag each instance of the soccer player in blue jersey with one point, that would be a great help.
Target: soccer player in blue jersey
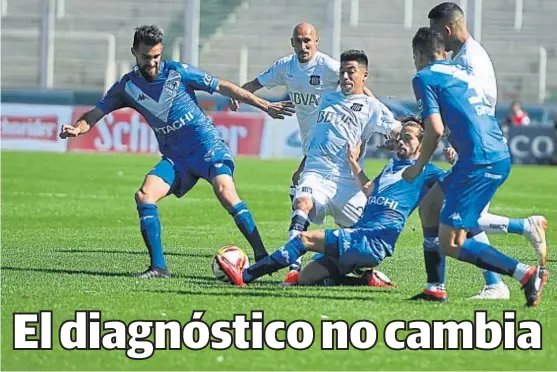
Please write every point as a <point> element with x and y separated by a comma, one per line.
<point>191,147</point>
<point>449,94</point>
<point>390,200</point>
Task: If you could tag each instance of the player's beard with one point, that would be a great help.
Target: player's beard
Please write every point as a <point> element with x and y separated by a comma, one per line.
<point>146,72</point>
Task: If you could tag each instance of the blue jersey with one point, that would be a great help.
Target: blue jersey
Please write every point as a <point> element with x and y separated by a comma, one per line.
<point>169,105</point>
<point>451,90</point>
<point>393,199</point>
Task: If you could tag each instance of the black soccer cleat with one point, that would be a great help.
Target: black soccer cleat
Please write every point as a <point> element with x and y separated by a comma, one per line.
<point>154,272</point>
<point>429,295</point>
<point>534,286</point>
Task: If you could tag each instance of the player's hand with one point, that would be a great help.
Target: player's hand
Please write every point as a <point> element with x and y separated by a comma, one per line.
<point>450,154</point>
<point>411,173</point>
<point>353,153</point>
<point>389,145</point>
<point>69,131</point>
<point>233,104</point>
<point>278,110</point>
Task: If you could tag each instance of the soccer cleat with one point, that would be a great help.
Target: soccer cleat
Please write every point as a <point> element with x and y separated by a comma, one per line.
<point>232,271</point>
<point>533,286</point>
<point>376,278</point>
<point>498,291</point>
<point>536,235</point>
<point>291,278</point>
<point>154,272</point>
<point>431,295</point>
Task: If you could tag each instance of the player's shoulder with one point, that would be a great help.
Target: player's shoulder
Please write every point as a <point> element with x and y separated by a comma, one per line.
<point>326,60</point>
<point>286,60</point>
<point>175,65</point>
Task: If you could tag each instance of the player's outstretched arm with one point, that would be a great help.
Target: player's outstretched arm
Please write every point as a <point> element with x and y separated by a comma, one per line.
<point>251,86</point>
<point>83,124</point>
<point>277,110</point>
<point>353,154</point>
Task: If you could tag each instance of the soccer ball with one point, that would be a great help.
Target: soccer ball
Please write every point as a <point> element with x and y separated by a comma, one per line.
<point>232,254</point>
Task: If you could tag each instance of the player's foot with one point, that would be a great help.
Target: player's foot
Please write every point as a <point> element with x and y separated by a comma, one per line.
<point>291,278</point>
<point>154,272</point>
<point>232,271</point>
<point>434,295</point>
<point>534,285</point>
<point>498,291</point>
<point>535,232</point>
<point>376,278</point>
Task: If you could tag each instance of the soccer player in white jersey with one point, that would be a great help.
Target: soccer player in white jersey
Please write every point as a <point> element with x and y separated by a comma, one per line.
<point>448,19</point>
<point>346,117</point>
<point>308,75</point>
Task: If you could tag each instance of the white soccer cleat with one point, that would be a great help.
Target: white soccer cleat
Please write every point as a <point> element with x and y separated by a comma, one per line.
<point>498,291</point>
<point>535,232</point>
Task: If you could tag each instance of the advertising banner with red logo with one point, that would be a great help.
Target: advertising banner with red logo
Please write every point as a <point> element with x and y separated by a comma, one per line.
<point>33,127</point>
<point>127,131</point>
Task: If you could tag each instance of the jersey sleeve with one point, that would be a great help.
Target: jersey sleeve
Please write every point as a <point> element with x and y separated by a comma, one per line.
<point>274,75</point>
<point>113,98</point>
<point>381,121</point>
<point>198,79</point>
<point>425,96</point>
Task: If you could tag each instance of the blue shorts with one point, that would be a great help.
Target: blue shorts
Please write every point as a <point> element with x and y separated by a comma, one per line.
<point>207,161</point>
<point>352,249</point>
<point>468,189</point>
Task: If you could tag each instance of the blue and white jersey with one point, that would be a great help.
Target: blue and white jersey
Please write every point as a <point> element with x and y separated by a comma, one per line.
<point>454,92</point>
<point>341,120</point>
<point>393,199</point>
<point>169,105</point>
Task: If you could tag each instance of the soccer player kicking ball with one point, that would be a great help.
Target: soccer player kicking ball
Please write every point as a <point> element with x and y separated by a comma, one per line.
<point>308,76</point>
<point>449,93</point>
<point>192,148</point>
<point>448,19</point>
<point>390,200</point>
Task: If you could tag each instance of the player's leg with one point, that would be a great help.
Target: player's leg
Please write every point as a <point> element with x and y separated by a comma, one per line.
<point>156,186</point>
<point>225,190</point>
<point>434,260</point>
<point>533,228</point>
<point>469,192</point>
<point>283,257</point>
<point>295,180</point>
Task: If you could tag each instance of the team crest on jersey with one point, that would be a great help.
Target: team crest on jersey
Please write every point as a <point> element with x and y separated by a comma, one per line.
<point>315,80</point>
<point>356,107</point>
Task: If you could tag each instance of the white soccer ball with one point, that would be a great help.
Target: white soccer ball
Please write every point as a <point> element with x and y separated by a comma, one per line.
<point>234,255</point>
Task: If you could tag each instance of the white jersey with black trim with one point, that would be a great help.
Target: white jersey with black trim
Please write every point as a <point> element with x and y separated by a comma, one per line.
<point>341,120</point>
<point>306,83</point>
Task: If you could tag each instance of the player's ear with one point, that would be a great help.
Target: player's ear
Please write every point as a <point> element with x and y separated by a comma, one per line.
<point>133,51</point>
<point>448,29</point>
<point>317,41</point>
<point>292,42</point>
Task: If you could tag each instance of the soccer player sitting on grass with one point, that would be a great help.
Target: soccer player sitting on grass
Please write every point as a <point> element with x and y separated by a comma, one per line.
<point>192,148</point>
<point>390,200</point>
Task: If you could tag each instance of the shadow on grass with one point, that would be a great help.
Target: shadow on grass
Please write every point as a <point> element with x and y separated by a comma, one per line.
<point>278,292</point>
<point>138,252</point>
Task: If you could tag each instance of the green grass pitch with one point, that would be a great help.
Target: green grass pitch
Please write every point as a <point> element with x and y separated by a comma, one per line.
<point>70,241</point>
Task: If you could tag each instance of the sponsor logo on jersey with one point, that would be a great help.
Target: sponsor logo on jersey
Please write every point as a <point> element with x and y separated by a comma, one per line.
<point>207,79</point>
<point>176,125</point>
<point>356,107</point>
<point>307,190</point>
<point>455,217</point>
<point>306,99</point>
<point>380,200</point>
<point>142,97</point>
<point>315,80</point>
<point>334,118</point>
<point>493,176</point>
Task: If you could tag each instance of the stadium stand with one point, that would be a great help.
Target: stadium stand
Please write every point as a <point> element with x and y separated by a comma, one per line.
<point>227,26</point>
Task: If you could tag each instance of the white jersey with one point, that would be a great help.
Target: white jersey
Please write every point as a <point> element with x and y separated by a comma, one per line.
<point>305,83</point>
<point>341,120</point>
<point>472,54</point>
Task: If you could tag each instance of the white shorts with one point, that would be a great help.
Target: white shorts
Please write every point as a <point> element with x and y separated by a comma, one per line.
<point>340,198</point>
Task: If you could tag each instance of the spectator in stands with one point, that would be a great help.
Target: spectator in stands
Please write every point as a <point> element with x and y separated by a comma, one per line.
<point>517,117</point>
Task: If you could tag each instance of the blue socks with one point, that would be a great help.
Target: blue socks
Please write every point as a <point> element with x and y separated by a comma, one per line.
<point>434,260</point>
<point>151,230</point>
<point>245,222</point>
<point>516,226</point>
<point>284,256</point>
<point>486,257</point>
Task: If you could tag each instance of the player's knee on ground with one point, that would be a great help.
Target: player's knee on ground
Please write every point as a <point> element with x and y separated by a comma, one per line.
<point>305,204</point>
